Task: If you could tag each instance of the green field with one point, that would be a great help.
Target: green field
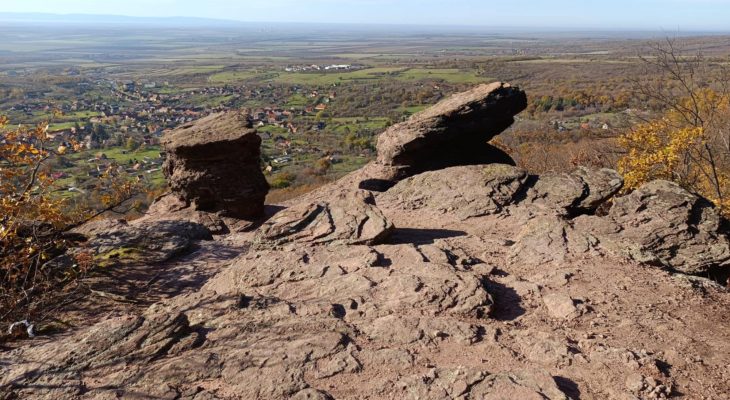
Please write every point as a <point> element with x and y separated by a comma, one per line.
<point>451,75</point>
<point>410,110</point>
<point>229,77</point>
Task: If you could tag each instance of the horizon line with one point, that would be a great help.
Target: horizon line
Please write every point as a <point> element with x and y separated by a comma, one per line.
<point>181,18</point>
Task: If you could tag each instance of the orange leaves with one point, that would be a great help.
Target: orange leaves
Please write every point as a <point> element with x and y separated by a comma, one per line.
<point>33,219</point>
<point>29,215</point>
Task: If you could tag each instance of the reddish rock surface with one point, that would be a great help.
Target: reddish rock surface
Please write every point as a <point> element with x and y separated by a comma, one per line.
<point>213,164</point>
<point>471,282</point>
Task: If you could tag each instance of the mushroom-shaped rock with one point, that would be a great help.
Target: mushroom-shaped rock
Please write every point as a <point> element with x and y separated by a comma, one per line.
<point>213,164</point>
<point>348,218</point>
<point>453,132</point>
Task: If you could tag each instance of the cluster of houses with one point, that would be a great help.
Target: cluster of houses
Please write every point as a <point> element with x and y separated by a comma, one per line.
<point>100,164</point>
<point>135,110</point>
<point>564,126</point>
<point>315,67</point>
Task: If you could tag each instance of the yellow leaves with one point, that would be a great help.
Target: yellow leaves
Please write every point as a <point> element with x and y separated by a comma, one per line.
<point>656,150</point>
<point>681,149</point>
<point>22,148</point>
<point>25,201</point>
<point>32,216</point>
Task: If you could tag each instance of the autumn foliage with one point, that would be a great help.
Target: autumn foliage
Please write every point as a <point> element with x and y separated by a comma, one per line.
<point>693,155</point>
<point>690,142</point>
<point>36,267</point>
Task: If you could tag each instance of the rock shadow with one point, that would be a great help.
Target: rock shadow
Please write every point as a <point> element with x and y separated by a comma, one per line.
<point>421,236</point>
<point>507,303</point>
<point>568,386</point>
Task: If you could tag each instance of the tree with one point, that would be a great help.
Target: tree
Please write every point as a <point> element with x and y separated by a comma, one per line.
<point>34,223</point>
<point>101,133</point>
<point>322,165</point>
<point>132,144</point>
<point>689,143</point>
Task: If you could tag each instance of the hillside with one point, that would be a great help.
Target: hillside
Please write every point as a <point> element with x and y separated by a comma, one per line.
<point>437,271</point>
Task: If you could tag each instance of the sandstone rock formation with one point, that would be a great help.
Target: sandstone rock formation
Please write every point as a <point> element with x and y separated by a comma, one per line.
<point>583,190</point>
<point>663,224</point>
<point>348,218</point>
<point>470,282</point>
<point>213,164</point>
<point>145,241</point>
<point>479,190</point>
<point>467,192</point>
<point>453,132</point>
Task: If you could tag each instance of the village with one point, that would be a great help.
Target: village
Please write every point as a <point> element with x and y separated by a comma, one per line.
<point>315,67</point>
<point>116,126</point>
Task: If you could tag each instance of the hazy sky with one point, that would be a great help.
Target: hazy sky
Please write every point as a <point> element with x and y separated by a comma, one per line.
<point>667,15</point>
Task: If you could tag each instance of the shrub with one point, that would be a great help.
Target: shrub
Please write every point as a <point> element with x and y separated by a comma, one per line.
<point>282,180</point>
<point>690,142</point>
<point>34,267</point>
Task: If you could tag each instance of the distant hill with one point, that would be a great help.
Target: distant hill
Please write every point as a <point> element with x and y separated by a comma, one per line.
<point>95,19</point>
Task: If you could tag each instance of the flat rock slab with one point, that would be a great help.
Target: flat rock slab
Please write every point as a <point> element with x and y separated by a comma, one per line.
<point>141,241</point>
<point>350,218</point>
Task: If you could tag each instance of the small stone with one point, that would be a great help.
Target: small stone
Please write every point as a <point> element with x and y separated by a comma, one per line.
<point>651,383</point>
<point>560,306</point>
<point>634,383</point>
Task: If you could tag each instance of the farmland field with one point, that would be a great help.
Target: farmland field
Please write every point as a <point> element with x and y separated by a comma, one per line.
<point>123,86</point>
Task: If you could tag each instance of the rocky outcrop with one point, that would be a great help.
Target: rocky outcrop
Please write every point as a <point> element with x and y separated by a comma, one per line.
<point>268,325</point>
<point>479,190</point>
<point>140,241</point>
<point>453,132</point>
<point>470,282</point>
<point>461,383</point>
<point>663,224</point>
<point>601,185</point>
<point>349,218</point>
<point>581,191</point>
<point>467,192</point>
<point>213,164</point>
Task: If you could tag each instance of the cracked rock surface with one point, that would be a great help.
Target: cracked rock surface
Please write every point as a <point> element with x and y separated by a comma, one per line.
<point>470,282</point>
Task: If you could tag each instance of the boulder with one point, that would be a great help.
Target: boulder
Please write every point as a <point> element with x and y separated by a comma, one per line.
<point>348,218</point>
<point>141,241</point>
<point>479,190</point>
<point>171,208</point>
<point>467,191</point>
<point>663,224</point>
<point>453,132</point>
<point>213,164</point>
<point>601,185</point>
<point>581,191</point>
